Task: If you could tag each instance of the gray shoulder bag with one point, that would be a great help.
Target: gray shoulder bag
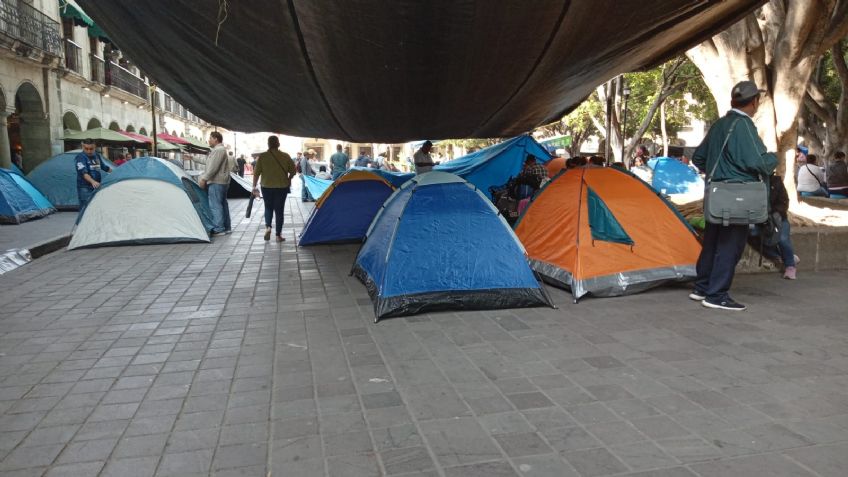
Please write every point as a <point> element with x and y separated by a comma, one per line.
<point>734,203</point>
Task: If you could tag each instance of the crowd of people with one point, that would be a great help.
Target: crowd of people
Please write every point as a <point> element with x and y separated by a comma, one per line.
<point>826,180</point>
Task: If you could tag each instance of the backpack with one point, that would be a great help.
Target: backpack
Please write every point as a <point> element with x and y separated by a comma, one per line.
<point>770,230</point>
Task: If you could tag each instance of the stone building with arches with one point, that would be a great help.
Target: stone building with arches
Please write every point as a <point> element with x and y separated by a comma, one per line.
<point>60,72</point>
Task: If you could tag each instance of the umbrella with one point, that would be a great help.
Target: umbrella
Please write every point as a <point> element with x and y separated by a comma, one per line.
<point>101,135</point>
<point>161,145</point>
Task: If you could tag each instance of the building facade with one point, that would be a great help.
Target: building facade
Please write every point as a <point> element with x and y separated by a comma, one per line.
<point>59,71</point>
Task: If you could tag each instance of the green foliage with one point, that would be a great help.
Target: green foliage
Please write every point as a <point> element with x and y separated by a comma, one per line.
<point>827,77</point>
<point>645,86</point>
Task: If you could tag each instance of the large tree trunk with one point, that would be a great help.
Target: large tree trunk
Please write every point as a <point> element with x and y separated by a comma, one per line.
<point>777,47</point>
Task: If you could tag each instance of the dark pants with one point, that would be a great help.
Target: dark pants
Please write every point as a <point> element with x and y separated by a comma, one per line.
<point>275,201</point>
<point>722,249</point>
<point>84,195</point>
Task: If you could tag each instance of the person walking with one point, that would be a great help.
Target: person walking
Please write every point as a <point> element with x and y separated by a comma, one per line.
<point>216,179</point>
<point>732,151</point>
<point>339,162</point>
<point>89,164</point>
<point>241,162</point>
<point>276,169</point>
<point>305,170</point>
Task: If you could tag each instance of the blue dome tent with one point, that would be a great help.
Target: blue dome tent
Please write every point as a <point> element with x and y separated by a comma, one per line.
<point>675,177</point>
<point>344,212</point>
<point>437,244</point>
<point>495,165</point>
<point>146,200</point>
<point>56,178</point>
<point>19,200</point>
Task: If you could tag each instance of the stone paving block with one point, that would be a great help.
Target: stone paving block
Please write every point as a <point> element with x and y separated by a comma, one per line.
<point>406,460</point>
<point>134,467</point>
<point>75,470</point>
<point>485,469</point>
<point>766,465</point>
<point>355,465</point>
<point>459,441</point>
<point>185,463</point>
<point>521,445</point>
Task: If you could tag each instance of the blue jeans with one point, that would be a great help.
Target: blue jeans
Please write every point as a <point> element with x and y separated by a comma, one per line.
<point>336,174</point>
<point>784,249</point>
<point>219,207</point>
<point>304,192</point>
<point>84,195</point>
<point>275,202</point>
<point>722,249</point>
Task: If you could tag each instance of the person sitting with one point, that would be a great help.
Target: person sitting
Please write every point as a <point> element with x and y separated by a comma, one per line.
<point>362,160</point>
<point>642,170</point>
<point>811,182</point>
<point>837,177</point>
<point>779,202</point>
<point>323,174</point>
<point>531,178</point>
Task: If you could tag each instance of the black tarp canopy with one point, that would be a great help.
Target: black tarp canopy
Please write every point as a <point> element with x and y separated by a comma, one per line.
<point>395,70</point>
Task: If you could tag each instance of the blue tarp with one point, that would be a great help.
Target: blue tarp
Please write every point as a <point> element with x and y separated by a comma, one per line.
<point>346,212</point>
<point>317,187</point>
<point>495,165</point>
<point>56,178</point>
<point>19,200</point>
<point>675,177</point>
<point>439,244</point>
<point>396,179</point>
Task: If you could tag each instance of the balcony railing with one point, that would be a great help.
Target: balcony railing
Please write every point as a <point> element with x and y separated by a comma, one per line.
<point>73,56</point>
<point>98,71</point>
<point>122,78</point>
<point>28,25</point>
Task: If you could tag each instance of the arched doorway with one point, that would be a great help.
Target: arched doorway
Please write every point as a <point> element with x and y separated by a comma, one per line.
<point>130,128</point>
<point>114,126</point>
<point>142,131</point>
<point>28,127</point>
<point>70,121</point>
<point>93,123</point>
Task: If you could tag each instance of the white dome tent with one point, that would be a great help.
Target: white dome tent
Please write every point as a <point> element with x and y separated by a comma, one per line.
<point>147,200</point>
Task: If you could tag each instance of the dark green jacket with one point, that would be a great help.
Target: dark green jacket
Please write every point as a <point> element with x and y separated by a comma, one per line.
<point>743,159</point>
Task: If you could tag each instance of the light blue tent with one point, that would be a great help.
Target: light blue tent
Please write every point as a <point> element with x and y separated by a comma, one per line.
<point>19,200</point>
<point>495,165</point>
<point>56,178</point>
<point>316,187</point>
<point>675,177</point>
<point>344,212</point>
<point>439,244</point>
<point>146,200</point>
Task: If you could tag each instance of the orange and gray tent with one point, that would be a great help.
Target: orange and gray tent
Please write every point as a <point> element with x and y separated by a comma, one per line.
<point>602,231</point>
<point>344,212</point>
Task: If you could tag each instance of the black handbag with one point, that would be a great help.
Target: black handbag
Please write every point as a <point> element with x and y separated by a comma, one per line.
<point>734,203</point>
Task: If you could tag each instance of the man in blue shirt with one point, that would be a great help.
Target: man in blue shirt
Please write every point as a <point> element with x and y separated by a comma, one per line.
<point>362,160</point>
<point>88,164</point>
<point>339,162</point>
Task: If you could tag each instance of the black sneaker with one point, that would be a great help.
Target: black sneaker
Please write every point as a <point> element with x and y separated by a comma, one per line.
<point>697,296</point>
<point>725,304</point>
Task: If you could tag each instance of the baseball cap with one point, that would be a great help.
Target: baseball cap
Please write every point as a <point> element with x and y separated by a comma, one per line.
<point>745,90</point>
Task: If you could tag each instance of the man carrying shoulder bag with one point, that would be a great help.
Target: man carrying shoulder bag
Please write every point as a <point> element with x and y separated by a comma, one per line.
<point>735,162</point>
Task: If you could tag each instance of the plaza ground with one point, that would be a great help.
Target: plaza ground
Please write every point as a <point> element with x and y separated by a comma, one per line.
<point>244,357</point>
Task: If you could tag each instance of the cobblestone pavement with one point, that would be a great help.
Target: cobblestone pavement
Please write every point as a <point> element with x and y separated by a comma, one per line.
<point>251,358</point>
